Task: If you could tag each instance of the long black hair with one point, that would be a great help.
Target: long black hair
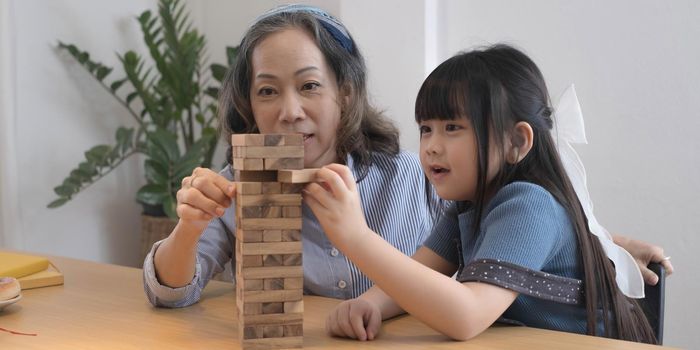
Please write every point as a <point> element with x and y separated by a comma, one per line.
<point>495,88</point>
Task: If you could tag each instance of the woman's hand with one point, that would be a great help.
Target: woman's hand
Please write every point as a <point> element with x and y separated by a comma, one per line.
<point>645,253</point>
<point>203,196</point>
<point>336,203</point>
<point>356,319</point>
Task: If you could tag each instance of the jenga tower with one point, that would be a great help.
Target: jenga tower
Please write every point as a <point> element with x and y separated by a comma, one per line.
<point>269,272</point>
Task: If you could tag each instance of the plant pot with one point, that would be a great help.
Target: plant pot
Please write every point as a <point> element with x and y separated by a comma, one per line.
<point>153,229</point>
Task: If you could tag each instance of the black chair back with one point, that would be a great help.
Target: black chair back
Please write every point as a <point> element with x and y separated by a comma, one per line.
<point>653,302</point>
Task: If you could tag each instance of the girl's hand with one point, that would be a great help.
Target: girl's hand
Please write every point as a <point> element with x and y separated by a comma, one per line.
<point>356,319</point>
<point>336,203</point>
<point>204,195</point>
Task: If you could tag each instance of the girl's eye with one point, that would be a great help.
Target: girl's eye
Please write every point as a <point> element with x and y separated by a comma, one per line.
<point>266,91</point>
<point>452,127</point>
<point>424,129</point>
<point>310,86</point>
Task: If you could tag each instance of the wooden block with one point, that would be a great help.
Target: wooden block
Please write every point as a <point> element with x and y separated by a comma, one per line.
<point>272,308</point>
<point>279,318</point>
<point>284,139</point>
<point>294,283</point>
<point>292,260</point>
<point>249,236</point>
<point>272,272</point>
<point>253,308</point>
<point>268,152</point>
<point>259,212</point>
<point>252,200</point>
<point>271,224</point>
<point>254,175</point>
<point>272,212</point>
<point>272,248</point>
<point>294,307</point>
<point>251,260</point>
<point>272,296</point>
<point>273,343</point>
<point>283,163</point>
<point>251,284</point>
<point>272,236</point>
<point>274,140</point>
<point>248,140</point>
<point>245,188</point>
<point>271,188</point>
<point>291,235</point>
<point>293,330</point>
<point>291,212</point>
<point>296,176</point>
<point>292,187</point>
<point>248,164</point>
<point>273,284</point>
<point>273,331</point>
<point>273,260</point>
<point>253,332</point>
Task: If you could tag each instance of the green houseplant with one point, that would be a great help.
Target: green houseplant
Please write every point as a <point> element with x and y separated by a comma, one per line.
<point>171,102</point>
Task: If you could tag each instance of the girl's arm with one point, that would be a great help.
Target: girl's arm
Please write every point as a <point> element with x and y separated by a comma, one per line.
<point>361,318</point>
<point>457,310</point>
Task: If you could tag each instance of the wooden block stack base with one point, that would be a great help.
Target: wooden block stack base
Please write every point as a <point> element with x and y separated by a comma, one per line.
<point>269,272</point>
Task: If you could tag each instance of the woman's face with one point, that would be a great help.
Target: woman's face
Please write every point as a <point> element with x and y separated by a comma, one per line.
<point>293,90</point>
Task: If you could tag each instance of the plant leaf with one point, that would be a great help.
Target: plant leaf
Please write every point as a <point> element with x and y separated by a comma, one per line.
<point>156,172</point>
<point>58,202</point>
<point>164,142</point>
<point>98,154</point>
<point>231,53</point>
<point>117,84</point>
<point>212,92</point>
<point>102,72</point>
<point>169,206</point>
<point>64,190</point>
<point>152,194</point>
<point>218,72</point>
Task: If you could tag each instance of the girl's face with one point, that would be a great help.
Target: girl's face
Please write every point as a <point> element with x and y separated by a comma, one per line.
<point>293,90</point>
<point>448,154</point>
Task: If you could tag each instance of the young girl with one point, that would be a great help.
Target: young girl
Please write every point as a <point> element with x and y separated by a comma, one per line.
<point>514,230</point>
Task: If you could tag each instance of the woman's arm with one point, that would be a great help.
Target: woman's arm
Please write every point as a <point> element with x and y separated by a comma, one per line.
<point>204,195</point>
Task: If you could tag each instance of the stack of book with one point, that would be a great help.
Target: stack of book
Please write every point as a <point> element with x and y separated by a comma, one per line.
<point>30,270</point>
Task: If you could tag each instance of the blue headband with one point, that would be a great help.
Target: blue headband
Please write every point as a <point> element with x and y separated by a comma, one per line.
<point>332,25</point>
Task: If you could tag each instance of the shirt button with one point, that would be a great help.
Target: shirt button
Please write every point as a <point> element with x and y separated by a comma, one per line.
<point>342,284</point>
<point>334,252</point>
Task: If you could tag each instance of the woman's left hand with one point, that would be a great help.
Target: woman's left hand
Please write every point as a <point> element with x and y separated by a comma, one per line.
<point>336,203</point>
<point>645,253</point>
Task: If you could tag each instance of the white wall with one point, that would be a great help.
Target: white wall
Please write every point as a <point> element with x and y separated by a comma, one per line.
<point>635,66</point>
<point>60,112</point>
<point>9,234</point>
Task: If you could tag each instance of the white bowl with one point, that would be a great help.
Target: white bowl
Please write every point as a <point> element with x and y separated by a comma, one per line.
<point>8,302</point>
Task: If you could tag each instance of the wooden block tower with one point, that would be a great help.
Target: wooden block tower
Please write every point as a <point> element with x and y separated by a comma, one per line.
<point>269,273</point>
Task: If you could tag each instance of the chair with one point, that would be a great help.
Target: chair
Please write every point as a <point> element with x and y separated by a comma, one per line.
<point>653,302</point>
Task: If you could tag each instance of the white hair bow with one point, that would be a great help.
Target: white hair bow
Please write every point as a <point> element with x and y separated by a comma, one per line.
<point>568,130</point>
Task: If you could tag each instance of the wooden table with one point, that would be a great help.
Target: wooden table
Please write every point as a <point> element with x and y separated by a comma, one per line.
<point>103,306</point>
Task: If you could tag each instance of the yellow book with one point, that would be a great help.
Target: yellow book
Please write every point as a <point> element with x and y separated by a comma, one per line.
<point>19,265</point>
<point>49,277</point>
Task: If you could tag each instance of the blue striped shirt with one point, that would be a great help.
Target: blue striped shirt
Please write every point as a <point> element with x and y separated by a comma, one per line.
<point>395,201</point>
